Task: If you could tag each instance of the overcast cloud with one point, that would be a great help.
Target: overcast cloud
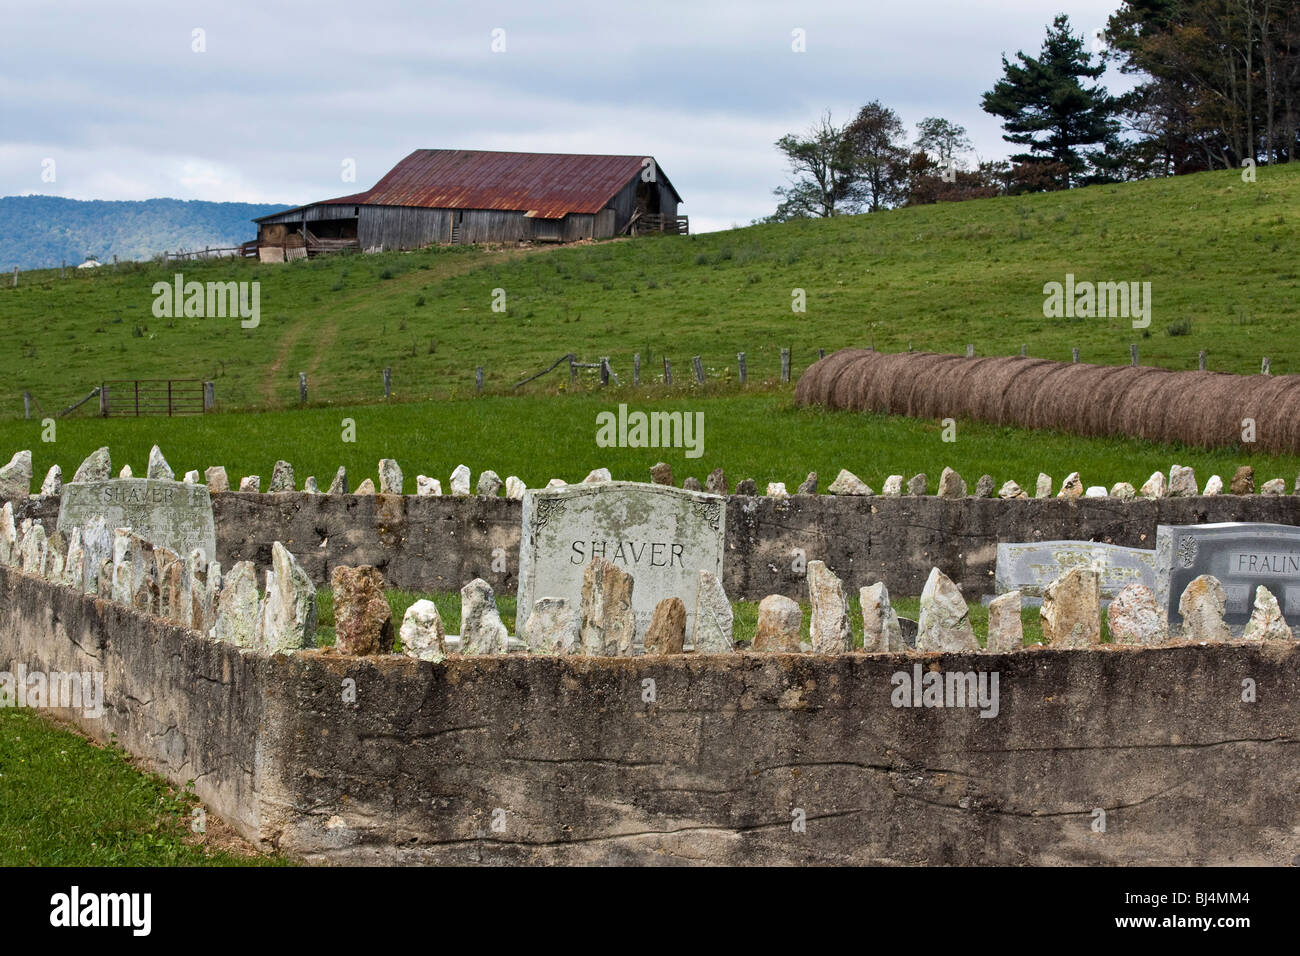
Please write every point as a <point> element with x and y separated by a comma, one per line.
<point>287,91</point>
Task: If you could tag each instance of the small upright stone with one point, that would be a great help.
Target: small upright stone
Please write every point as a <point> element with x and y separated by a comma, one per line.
<point>460,481</point>
<point>366,487</point>
<point>35,551</point>
<point>339,486</point>
<point>515,488</point>
<point>776,489</point>
<point>289,615</point>
<point>951,484</point>
<point>608,622</point>
<point>985,488</point>
<point>191,477</point>
<point>1006,632</point>
<point>893,486</point>
<point>1274,486</point>
<point>390,477</point>
<point>282,478</point>
<point>714,620</point>
<point>1071,611</point>
<point>1011,490</point>
<point>944,622</point>
<point>1243,481</point>
<point>661,473</point>
<point>847,483</point>
<point>1095,491</point>
<point>126,472</point>
<point>158,467</point>
<point>1182,482</point>
<point>1123,491</point>
<point>1043,489</point>
<point>426,486</point>
<point>1072,487</point>
<point>8,534</point>
<point>1135,618</point>
<point>1201,606</point>
<point>422,633</point>
<point>747,487</point>
<point>310,487</point>
<point>716,482</point>
<point>1155,486</point>
<point>808,486</point>
<point>237,615</point>
<point>1266,621</point>
<point>216,479</point>
<point>53,483</point>
<point>881,632</point>
<point>98,466</point>
<point>363,620</point>
<point>1214,486</point>
<point>552,627</point>
<point>779,623</point>
<point>916,485</point>
<point>489,483</point>
<point>828,623</point>
<point>692,484</point>
<point>667,631</point>
<point>557,483</point>
<point>597,475</point>
<point>16,477</point>
<point>251,484</point>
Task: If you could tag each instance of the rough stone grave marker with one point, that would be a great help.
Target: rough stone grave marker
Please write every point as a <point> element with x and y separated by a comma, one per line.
<point>1242,555</point>
<point>167,513</point>
<point>1028,567</point>
<point>663,536</point>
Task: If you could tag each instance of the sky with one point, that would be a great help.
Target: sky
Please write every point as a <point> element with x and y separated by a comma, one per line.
<point>275,101</point>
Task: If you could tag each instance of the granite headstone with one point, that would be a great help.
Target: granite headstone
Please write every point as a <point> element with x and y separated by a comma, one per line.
<point>1028,567</point>
<point>170,514</point>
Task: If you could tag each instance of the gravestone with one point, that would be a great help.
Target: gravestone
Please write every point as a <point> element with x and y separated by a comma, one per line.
<point>1241,555</point>
<point>663,536</point>
<point>170,514</point>
<point>1028,567</point>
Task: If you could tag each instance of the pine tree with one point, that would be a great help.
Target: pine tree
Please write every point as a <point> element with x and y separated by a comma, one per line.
<point>1046,106</point>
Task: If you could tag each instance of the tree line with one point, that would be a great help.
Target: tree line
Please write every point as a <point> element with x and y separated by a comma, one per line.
<point>1219,88</point>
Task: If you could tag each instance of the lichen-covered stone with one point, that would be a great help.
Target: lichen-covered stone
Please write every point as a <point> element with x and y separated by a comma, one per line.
<point>363,621</point>
<point>366,487</point>
<point>390,477</point>
<point>597,475</point>
<point>1266,621</point>
<point>1006,633</point>
<point>776,489</point>
<point>16,477</point>
<point>944,622</point>
<point>916,485</point>
<point>98,466</point>
<point>53,483</point>
<point>779,622</point>
<point>1011,490</point>
<point>552,627</point>
<point>828,623</point>
<point>489,483</point>
<point>1243,481</point>
<point>951,485</point>
<point>216,479</point>
<point>237,608</point>
<point>1134,617</point>
<point>667,631</point>
<point>1043,488</point>
<point>481,629</point>
<point>608,622</point>
<point>426,486</point>
<point>808,486</point>
<point>661,473</point>
<point>158,467</point>
<point>339,486</point>
<point>1214,486</point>
<point>1123,491</point>
<point>1155,487</point>
<point>515,488</point>
<point>289,613</point>
<point>1274,486</point>
<point>847,483</point>
<point>893,486</point>
<point>1071,611</point>
<point>282,478</point>
<point>985,487</point>
<point>1072,487</point>
<point>423,635</point>
<point>251,483</point>
<point>881,632</point>
<point>1182,482</point>
<point>1201,606</point>
<point>716,482</point>
<point>747,487</point>
<point>460,481</point>
<point>712,633</point>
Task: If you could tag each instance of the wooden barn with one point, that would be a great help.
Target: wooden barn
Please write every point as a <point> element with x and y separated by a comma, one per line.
<point>466,196</point>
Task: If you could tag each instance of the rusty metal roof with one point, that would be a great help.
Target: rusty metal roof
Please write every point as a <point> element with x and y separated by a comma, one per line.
<point>544,185</point>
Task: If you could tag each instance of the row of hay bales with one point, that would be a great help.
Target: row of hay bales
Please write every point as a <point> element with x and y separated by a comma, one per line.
<point>1197,408</point>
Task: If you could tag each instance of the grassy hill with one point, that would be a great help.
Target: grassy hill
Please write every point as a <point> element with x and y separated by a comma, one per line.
<point>1220,255</point>
<point>42,231</point>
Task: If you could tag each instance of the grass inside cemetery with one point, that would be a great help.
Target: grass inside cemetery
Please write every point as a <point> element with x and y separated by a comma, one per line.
<point>762,437</point>
<point>1220,255</point>
<point>67,802</point>
<point>744,625</point>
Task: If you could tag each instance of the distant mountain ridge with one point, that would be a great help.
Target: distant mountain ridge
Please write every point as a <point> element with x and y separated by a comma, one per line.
<point>39,232</point>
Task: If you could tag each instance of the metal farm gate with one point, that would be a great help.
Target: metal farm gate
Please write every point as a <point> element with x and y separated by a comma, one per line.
<point>153,397</point>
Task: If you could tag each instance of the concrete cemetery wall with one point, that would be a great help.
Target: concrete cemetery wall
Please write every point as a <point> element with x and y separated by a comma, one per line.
<point>523,759</point>
<point>438,543</point>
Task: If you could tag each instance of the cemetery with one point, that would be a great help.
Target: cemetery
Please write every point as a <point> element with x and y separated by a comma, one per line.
<point>625,716</point>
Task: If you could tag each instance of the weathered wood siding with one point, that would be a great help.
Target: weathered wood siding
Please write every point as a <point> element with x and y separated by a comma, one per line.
<point>402,227</point>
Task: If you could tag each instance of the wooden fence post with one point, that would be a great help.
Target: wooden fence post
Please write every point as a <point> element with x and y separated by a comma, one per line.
<point>1024,350</point>
<point>699,369</point>
<point>27,404</point>
<point>636,369</point>
<point>785,365</point>
<point>1133,354</point>
<point>604,370</point>
<point>1074,355</point>
<point>740,365</point>
<point>573,370</point>
<point>1200,361</point>
<point>478,378</point>
<point>1263,366</point>
<point>302,387</point>
<point>62,266</point>
<point>970,350</point>
<point>209,396</point>
<point>15,277</point>
<point>668,371</point>
<point>388,383</point>
<point>821,354</point>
